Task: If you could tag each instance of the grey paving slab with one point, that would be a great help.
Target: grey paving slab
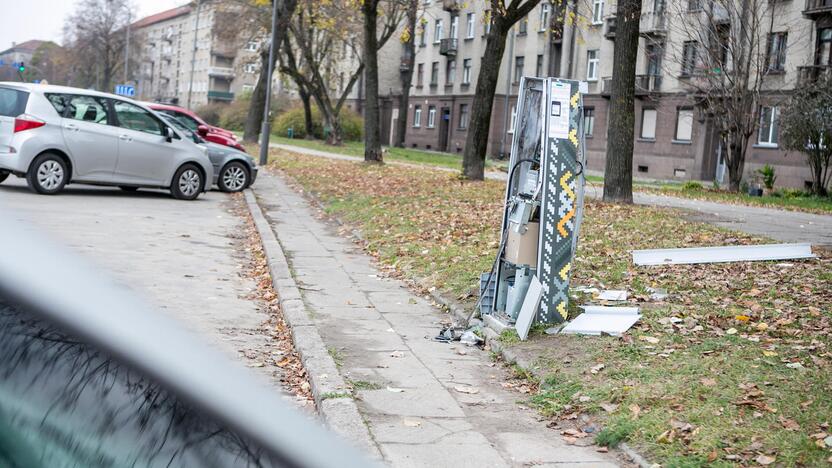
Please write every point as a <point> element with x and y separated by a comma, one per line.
<point>381,333</point>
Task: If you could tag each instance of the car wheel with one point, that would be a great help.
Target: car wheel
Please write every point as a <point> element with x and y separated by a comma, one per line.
<point>233,177</point>
<point>47,174</point>
<point>187,183</point>
<point>128,188</point>
<point>3,176</point>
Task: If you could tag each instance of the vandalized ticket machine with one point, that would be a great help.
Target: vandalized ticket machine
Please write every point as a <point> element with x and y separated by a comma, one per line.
<point>543,207</point>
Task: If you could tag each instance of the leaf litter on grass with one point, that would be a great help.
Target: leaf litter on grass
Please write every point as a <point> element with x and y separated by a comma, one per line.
<point>701,355</point>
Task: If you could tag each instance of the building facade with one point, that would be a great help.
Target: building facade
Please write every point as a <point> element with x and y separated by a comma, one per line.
<point>674,135</point>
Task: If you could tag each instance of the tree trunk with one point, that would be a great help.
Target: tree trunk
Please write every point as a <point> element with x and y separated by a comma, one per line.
<point>408,61</point>
<point>476,144</point>
<point>254,119</point>
<point>309,128</point>
<point>735,166</point>
<point>372,119</point>
<point>618,174</point>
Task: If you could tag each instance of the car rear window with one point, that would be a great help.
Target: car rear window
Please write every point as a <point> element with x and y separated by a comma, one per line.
<point>12,102</point>
<point>58,101</point>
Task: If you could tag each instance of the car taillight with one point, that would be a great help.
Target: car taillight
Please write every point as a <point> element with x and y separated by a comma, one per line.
<point>27,122</point>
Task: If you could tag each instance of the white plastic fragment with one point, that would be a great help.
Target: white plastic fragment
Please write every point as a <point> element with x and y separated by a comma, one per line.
<point>743,253</point>
<point>598,320</point>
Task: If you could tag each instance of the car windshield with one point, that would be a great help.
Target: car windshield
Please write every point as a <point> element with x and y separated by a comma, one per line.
<point>179,125</point>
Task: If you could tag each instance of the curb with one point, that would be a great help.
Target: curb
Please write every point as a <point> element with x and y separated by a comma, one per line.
<point>333,397</point>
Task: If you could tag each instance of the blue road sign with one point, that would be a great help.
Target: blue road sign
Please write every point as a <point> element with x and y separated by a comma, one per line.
<point>126,90</point>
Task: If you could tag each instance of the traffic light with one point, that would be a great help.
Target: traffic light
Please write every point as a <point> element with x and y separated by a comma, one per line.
<point>21,67</point>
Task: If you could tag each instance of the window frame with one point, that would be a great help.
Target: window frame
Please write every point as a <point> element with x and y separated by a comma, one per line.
<point>589,113</point>
<point>519,67</point>
<point>162,125</point>
<point>466,72</point>
<point>592,64</point>
<point>106,103</point>
<point>644,113</point>
<point>464,111</point>
<point>420,75</point>
<point>431,117</point>
<point>437,31</point>
<point>470,25</point>
<point>679,111</point>
<point>450,71</point>
<point>543,17</point>
<point>773,124</point>
<point>417,116</point>
<point>780,41</point>
<point>434,73</point>
<point>688,65</point>
<point>598,12</point>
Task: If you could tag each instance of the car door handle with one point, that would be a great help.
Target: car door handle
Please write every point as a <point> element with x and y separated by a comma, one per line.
<point>71,127</point>
<point>125,138</point>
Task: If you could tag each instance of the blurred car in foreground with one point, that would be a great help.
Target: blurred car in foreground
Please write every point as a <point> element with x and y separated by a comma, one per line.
<point>55,135</point>
<point>90,377</point>
<point>196,124</point>
<point>234,170</point>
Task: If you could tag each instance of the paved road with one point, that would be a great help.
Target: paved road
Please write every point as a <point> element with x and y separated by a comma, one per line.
<point>183,257</point>
<point>408,385</point>
<point>781,225</point>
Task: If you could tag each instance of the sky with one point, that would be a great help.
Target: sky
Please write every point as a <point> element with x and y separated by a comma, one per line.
<point>21,20</point>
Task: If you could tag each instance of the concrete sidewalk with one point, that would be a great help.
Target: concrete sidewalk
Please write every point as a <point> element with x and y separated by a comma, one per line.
<point>380,336</point>
<point>781,225</point>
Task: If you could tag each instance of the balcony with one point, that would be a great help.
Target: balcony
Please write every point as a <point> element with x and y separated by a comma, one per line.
<point>809,75</point>
<point>448,47</point>
<point>817,8</point>
<point>220,95</point>
<point>648,84</point>
<point>451,5</point>
<point>653,23</point>
<point>223,50</point>
<point>221,72</point>
<point>609,28</point>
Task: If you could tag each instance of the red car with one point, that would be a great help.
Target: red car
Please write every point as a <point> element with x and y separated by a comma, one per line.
<point>211,133</point>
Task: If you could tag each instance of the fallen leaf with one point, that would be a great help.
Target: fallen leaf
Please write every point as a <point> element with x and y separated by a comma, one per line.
<point>609,407</point>
<point>765,460</point>
<point>649,339</point>
<point>635,410</point>
<point>466,389</point>
<point>794,365</point>
<point>762,326</point>
<point>712,456</point>
<point>742,318</point>
<point>769,353</point>
<point>411,423</point>
<point>731,331</point>
<point>596,369</point>
<point>707,381</point>
<point>602,449</point>
<point>789,424</point>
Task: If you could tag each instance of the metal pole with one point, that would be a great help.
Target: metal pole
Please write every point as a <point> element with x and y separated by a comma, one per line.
<point>266,128</point>
<point>508,92</point>
<point>127,49</point>
<point>193,54</point>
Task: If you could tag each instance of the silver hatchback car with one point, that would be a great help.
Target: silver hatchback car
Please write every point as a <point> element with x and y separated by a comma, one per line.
<point>55,135</point>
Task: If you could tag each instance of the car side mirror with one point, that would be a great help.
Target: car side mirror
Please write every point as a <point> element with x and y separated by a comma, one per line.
<point>202,130</point>
<point>169,134</point>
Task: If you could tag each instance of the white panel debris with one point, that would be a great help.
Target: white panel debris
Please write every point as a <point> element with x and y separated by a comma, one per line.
<point>597,320</point>
<point>612,295</point>
<point>744,253</point>
<point>529,308</point>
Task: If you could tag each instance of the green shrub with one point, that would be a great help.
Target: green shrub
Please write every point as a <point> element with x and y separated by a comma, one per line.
<point>692,186</point>
<point>212,112</point>
<point>617,431</point>
<point>767,173</point>
<point>352,125</point>
<point>793,193</point>
<point>233,116</point>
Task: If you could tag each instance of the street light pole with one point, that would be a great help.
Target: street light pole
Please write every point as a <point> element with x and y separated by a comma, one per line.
<point>127,49</point>
<point>193,53</point>
<point>266,127</point>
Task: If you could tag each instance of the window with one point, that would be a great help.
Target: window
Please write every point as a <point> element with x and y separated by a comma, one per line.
<point>513,119</point>
<point>648,124</point>
<point>251,46</point>
<point>689,58</point>
<point>694,5</point>
<point>88,109</point>
<point>684,124</point>
<point>539,67</point>
<point>450,71</point>
<point>466,71</point>
<point>422,36</point>
<point>420,74</point>
<point>592,65</point>
<point>469,28</point>
<point>454,27</point>
<point>523,27</point>
<point>544,16</point>
<point>597,11</point>
<point>589,121</point>
<point>8,108</point>
<point>463,116</point>
<point>776,58</point>
<point>434,73</point>
<point>431,116</point>
<point>437,31</point>
<point>823,52</point>
<point>519,63</point>
<point>186,119</point>
<point>417,116</point>
<point>250,67</point>
<point>769,121</point>
<point>135,118</point>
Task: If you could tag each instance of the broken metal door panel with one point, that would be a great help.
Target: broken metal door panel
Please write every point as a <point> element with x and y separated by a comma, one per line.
<point>559,203</point>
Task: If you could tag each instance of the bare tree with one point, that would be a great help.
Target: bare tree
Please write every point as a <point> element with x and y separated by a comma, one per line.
<point>408,39</point>
<point>95,35</point>
<point>286,9</point>
<point>807,127</point>
<point>501,18</point>
<point>724,64</point>
<point>618,174</point>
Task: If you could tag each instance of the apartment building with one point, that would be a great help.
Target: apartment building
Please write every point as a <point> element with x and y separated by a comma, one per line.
<point>675,138</point>
<point>184,61</point>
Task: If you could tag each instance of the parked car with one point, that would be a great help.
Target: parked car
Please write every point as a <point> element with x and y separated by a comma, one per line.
<point>197,125</point>
<point>234,170</point>
<point>55,135</point>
